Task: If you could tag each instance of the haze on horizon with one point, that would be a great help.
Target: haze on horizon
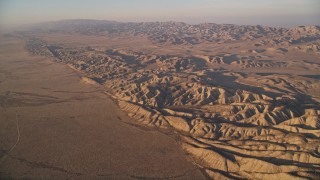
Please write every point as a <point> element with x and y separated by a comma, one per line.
<point>285,13</point>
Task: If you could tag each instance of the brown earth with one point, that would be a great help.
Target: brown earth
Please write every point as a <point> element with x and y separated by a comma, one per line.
<point>243,101</point>
<point>71,130</point>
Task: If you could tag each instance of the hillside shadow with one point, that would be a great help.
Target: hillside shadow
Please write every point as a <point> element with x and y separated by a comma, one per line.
<point>229,82</point>
<point>312,76</point>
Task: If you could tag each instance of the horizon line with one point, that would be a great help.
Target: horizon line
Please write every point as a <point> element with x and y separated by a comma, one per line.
<point>158,21</point>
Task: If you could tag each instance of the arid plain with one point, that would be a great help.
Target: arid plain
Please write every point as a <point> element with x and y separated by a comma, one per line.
<point>240,102</point>
<point>71,130</point>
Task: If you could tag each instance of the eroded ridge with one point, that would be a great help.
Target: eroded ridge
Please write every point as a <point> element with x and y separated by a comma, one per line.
<point>233,124</point>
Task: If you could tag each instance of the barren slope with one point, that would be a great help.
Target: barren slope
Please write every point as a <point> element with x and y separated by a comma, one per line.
<point>71,130</point>
<point>243,99</point>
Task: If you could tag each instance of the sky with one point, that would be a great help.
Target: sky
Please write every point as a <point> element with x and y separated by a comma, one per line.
<point>284,13</point>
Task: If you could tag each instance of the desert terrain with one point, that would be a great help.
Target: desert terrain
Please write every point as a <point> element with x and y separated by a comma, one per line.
<point>69,129</point>
<point>242,102</point>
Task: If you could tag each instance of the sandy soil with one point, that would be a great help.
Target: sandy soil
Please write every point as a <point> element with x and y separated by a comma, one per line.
<point>71,130</point>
